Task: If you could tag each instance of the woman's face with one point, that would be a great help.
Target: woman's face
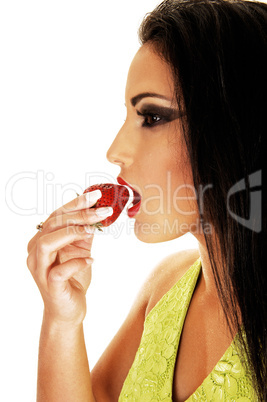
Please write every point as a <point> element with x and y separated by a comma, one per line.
<point>151,153</point>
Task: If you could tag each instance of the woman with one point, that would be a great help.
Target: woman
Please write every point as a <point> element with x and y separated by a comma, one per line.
<point>196,102</point>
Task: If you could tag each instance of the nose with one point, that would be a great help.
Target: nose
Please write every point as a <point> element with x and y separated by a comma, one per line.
<point>121,150</point>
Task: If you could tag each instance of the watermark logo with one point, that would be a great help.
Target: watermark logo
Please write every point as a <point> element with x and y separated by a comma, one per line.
<point>255,214</point>
<point>47,194</point>
<point>174,201</point>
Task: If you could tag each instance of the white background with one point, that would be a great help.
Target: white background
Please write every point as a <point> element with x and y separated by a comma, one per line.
<point>63,68</point>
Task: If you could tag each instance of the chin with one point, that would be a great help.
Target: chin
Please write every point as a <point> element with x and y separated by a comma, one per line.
<point>153,233</point>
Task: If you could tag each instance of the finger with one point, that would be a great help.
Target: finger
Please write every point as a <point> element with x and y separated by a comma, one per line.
<point>78,249</point>
<point>87,216</point>
<point>49,244</point>
<point>32,242</point>
<point>52,224</point>
<point>59,275</point>
<point>70,252</point>
<point>86,243</point>
<point>31,260</point>
<point>86,200</point>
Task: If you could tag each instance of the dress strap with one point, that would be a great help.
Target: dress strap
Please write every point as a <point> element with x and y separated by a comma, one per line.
<point>151,374</point>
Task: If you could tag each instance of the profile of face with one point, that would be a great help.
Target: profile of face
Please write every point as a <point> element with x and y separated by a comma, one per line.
<point>151,152</point>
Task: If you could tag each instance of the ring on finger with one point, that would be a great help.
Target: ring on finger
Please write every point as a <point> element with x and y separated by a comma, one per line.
<point>40,226</point>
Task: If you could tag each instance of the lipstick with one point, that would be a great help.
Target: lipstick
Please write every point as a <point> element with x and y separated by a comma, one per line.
<point>136,204</point>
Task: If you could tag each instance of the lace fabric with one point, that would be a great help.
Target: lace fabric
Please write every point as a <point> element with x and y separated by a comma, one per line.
<point>151,375</point>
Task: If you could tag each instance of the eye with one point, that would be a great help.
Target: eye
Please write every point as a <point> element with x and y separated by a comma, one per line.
<point>154,115</point>
<point>149,119</point>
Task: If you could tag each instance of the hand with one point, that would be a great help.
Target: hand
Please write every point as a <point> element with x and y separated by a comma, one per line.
<point>60,258</point>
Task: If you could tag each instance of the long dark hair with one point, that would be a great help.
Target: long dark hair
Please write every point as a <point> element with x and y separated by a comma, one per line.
<point>217,50</point>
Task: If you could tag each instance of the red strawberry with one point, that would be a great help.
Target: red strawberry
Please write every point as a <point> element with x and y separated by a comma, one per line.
<point>113,195</point>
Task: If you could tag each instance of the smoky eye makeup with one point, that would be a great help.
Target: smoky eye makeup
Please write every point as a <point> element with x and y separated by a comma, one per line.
<point>155,115</point>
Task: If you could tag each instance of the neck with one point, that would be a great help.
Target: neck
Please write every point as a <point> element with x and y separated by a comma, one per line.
<point>208,281</point>
<point>207,285</point>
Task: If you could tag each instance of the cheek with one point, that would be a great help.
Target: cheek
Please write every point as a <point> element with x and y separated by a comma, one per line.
<point>155,166</point>
<point>184,197</point>
<point>169,185</point>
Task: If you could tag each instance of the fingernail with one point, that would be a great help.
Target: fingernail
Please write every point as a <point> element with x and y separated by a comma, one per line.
<point>107,211</point>
<point>89,260</point>
<point>93,196</point>
<point>89,229</point>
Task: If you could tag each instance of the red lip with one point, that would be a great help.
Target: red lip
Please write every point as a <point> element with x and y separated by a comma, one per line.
<point>136,201</point>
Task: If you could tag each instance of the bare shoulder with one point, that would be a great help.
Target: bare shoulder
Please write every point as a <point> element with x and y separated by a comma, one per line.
<point>166,274</point>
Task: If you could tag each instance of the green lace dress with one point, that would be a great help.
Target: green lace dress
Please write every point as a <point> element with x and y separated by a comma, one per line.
<point>151,375</point>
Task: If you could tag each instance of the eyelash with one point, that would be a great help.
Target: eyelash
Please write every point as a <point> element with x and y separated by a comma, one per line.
<point>147,115</point>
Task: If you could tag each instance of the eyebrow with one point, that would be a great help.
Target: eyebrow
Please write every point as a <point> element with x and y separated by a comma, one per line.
<point>139,97</point>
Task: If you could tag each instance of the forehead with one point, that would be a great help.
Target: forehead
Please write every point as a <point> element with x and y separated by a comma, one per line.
<point>149,73</point>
